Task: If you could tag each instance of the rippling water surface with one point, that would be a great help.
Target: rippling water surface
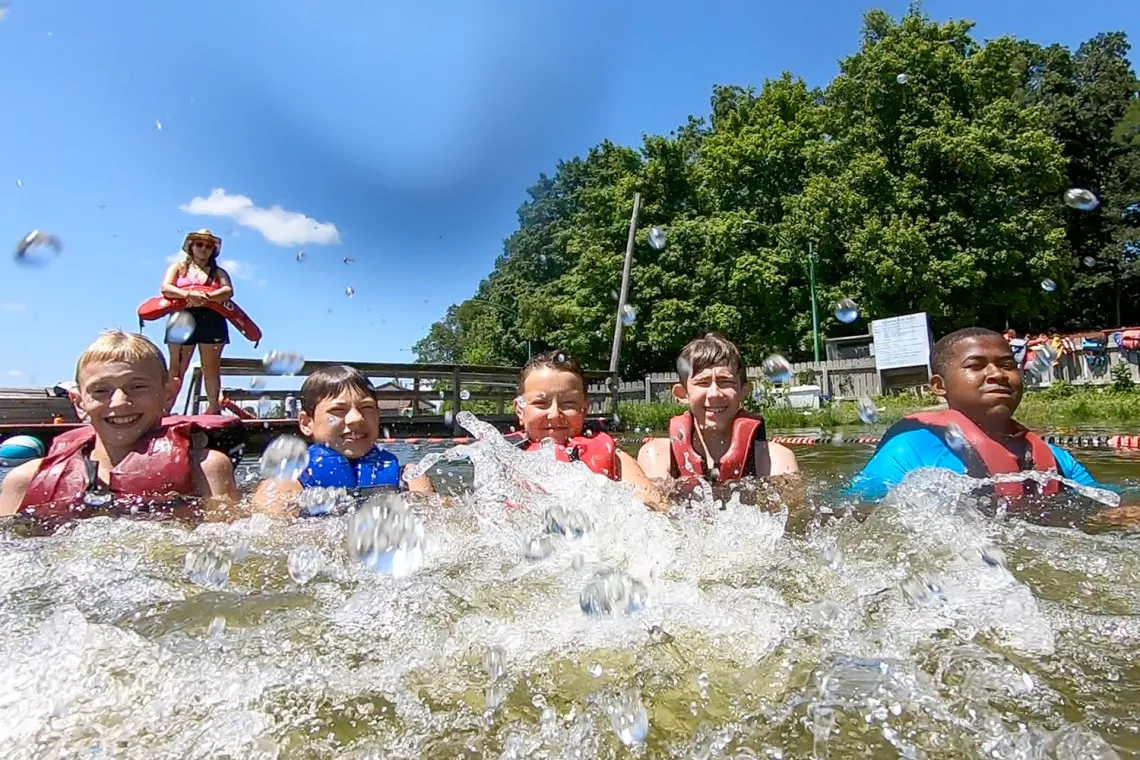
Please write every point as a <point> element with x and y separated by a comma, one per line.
<point>576,624</point>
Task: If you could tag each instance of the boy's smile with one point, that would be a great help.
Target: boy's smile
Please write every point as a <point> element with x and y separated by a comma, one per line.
<point>123,401</point>
<point>349,423</point>
<point>713,396</point>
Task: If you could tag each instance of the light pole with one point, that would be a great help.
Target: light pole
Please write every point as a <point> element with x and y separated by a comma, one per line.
<point>814,306</point>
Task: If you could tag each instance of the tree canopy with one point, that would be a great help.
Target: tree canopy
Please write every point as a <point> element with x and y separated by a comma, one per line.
<point>927,176</point>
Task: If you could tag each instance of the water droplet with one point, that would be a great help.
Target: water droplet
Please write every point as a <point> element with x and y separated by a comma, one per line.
<point>1081,199</point>
<point>209,568</point>
<point>180,327</point>
<point>283,362</point>
<point>285,458</point>
<point>37,247</point>
<point>19,183</point>
<point>256,382</point>
<point>902,78</point>
<point>349,292</point>
<point>703,681</point>
<point>317,502</point>
<point>868,412</point>
<point>386,537</point>
<point>1048,285</point>
<point>217,627</point>
<point>846,311</point>
<point>539,547</point>
<point>612,592</point>
<point>628,315</point>
<point>348,259</point>
<point>448,418</point>
<point>158,125</point>
<point>495,663</point>
<point>595,669</point>
<point>777,369</point>
<point>304,564</point>
<point>300,256</point>
<point>629,718</point>
<point>1090,261</point>
<point>832,556</point>
<point>464,395</point>
<point>923,590</point>
<point>577,562</point>
<point>656,238</point>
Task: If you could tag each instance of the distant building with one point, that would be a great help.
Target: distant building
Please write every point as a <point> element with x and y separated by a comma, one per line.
<point>401,406</point>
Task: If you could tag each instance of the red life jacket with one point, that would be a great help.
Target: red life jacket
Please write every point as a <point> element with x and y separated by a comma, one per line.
<point>736,462</point>
<point>159,464</point>
<point>598,452</point>
<point>1130,340</point>
<point>159,306</point>
<point>982,455</point>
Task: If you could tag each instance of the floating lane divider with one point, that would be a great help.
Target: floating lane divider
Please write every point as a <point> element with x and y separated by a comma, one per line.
<point>1077,441</point>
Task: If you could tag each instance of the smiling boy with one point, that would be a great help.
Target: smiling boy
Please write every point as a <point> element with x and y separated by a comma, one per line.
<point>128,449</point>
<point>975,372</point>
<point>714,440</point>
<point>341,418</point>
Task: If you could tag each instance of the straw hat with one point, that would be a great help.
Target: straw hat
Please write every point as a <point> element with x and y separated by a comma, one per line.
<point>202,234</point>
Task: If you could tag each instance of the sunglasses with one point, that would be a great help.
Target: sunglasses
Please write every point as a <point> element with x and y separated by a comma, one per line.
<point>202,244</point>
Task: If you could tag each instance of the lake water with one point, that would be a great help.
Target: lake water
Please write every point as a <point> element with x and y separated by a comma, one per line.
<point>576,625</point>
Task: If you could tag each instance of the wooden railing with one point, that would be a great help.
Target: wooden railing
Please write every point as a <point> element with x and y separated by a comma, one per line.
<point>430,384</point>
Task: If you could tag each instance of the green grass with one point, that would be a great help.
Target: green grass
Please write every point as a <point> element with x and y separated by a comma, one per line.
<point>1058,406</point>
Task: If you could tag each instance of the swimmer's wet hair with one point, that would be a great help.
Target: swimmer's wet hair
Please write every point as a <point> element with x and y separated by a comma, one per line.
<point>559,360</point>
<point>944,348</point>
<point>119,346</point>
<point>330,382</point>
<point>713,350</point>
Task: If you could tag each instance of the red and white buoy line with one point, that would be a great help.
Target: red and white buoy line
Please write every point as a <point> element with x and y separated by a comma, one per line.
<point>1076,441</point>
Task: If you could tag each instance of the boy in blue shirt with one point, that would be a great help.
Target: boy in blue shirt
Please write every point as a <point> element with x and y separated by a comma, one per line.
<point>975,372</point>
<point>341,418</point>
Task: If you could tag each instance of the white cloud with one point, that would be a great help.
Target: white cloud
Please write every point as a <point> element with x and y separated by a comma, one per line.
<point>175,257</point>
<point>239,270</point>
<point>12,306</point>
<point>276,225</point>
<point>14,373</point>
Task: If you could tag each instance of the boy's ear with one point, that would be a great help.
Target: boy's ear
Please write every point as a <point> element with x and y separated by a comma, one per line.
<point>77,401</point>
<point>681,393</point>
<point>305,422</point>
<point>938,386</point>
<point>520,402</point>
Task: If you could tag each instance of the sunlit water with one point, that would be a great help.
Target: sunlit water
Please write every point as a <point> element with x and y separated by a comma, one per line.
<point>578,624</point>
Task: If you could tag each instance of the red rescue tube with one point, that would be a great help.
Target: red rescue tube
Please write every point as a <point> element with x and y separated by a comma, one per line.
<point>160,306</point>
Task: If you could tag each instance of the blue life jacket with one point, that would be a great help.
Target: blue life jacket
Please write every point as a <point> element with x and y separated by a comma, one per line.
<point>328,469</point>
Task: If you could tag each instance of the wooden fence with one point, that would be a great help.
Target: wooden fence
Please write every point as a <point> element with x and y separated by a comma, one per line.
<point>842,379</point>
<point>1082,368</point>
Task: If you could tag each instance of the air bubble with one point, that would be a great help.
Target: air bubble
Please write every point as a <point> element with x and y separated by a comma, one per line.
<point>868,412</point>
<point>656,238</point>
<point>464,395</point>
<point>902,78</point>
<point>386,537</point>
<point>628,315</point>
<point>777,369</point>
<point>1081,199</point>
<point>846,311</point>
<point>1090,261</point>
<point>349,292</point>
<point>283,362</point>
<point>285,458</point>
<point>612,592</point>
<point>209,568</point>
<point>38,247</point>
<point>304,563</point>
<point>180,327</point>
<point>1048,285</point>
<point>300,256</point>
<point>629,718</point>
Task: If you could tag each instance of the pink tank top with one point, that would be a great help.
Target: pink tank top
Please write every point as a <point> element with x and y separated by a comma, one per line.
<point>184,280</point>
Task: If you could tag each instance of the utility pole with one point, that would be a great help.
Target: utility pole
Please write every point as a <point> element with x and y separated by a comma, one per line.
<point>615,378</point>
<point>814,307</point>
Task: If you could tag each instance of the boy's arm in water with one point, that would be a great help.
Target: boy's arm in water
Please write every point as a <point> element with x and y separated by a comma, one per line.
<point>422,484</point>
<point>643,488</point>
<point>16,485</point>
<point>654,458</point>
<point>1127,515</point>
<point>276,497</point>
<point>212,473</point>
<point>1070,468</point>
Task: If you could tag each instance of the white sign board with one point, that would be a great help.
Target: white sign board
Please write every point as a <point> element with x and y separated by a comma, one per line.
<point>901,341</point>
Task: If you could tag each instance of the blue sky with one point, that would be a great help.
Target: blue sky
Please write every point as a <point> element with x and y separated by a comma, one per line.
<point>408,131</point>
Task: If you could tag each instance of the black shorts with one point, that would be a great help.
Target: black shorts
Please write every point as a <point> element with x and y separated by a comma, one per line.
<point>210,328</point>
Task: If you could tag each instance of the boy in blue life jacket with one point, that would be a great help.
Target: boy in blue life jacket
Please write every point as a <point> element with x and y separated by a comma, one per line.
<point>974,370</point>
<point>341,418</point>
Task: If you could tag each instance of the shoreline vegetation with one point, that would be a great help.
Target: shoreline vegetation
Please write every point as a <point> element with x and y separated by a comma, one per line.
<point>1055,408</point>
